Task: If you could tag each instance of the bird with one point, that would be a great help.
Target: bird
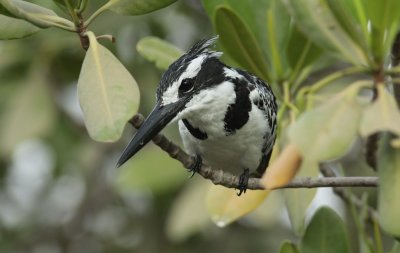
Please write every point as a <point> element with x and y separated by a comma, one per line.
<point>227,117</point>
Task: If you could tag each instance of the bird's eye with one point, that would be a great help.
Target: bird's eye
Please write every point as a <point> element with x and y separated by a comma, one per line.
<point>186,85</point>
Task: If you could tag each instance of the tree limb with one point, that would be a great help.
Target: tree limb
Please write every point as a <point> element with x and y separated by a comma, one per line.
<point>228,180</point>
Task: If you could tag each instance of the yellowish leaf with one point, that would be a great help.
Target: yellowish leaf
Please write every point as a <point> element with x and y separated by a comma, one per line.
<point>224,206</point>
<point>283,169</point>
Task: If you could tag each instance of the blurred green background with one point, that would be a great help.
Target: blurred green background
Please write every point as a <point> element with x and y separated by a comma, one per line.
<point>60,190</point>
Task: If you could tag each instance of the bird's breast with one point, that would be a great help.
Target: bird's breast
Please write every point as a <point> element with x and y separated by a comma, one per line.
<point>228,151</point>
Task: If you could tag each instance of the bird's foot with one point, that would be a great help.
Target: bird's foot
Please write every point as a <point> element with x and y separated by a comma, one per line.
<point>196,166</point>
<point>243,181</point>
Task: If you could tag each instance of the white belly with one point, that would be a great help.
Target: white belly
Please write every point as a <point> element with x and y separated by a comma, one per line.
<point>232,153</point>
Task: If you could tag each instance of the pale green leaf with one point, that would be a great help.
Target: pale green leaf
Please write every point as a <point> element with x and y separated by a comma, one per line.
<point>325,233</point>
<point>13,28</point>
<point>19,6</point>
<point>137,7</point>
<point>288,247</point>
<point>297,203</point>
<point>382,115</point>
<point>315,20</point>
<point>389,188</point>
<point>29,113</point>
<point>298,200</point>
<point>239,42</point>
<point>352,17</point>
<point>158,51</point>
<point>224,206</point>
<point>328,131</point>
<point>108,94</point>
<point>35,14</point>
<point>188,214</point>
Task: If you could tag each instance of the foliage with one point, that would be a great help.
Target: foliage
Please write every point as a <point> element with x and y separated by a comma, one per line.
<point>328,62</point>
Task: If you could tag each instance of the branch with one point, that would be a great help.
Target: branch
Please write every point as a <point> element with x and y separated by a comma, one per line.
<point>229,180</point>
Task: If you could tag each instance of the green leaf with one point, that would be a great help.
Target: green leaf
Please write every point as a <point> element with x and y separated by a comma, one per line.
<point>35,14</point>
<point>19,6</point>
<point>327,132</point>
<point>29,113</point>
<point>239,42</point>
<point>137,7</point>
<point>314,19</point>
<point>107,92</point>
<point>288,247</point>
<point>4,11</point>
<point>382,115</point>
<point>278,32</point>
<point>13,28</point>
<point>253,13</point>
<point>382,14</point>
<point>352,18</point>
<point>300,52</point>
<point>158,51</point>
<point>325,233</point>
<point>389,187</point>
<point>384,23</point>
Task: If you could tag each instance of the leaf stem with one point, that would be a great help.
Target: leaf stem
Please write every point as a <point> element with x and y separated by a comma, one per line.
<point>309,91</point>
<point>300,62</point>
<point>98,12</point>
<point>72,12</point>
<point>334,76</point>
<point>81,6</point>
<point>286,98</point>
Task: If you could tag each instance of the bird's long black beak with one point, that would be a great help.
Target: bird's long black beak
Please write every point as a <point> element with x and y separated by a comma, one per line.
<point>155,122</point>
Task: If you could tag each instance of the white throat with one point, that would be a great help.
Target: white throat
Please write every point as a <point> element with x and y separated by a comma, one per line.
<point>207,109</point>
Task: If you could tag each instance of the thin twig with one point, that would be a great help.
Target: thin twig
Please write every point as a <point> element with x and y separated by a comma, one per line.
<point>226,179</point>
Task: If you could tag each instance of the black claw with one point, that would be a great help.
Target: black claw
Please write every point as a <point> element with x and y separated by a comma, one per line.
<point>243,181</point>
<point>196,166</point>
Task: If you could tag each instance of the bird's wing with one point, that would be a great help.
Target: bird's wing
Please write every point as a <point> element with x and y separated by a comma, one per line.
<point>265,101</point>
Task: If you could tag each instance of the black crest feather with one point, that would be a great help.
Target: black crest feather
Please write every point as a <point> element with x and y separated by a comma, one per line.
<point>175,70</point>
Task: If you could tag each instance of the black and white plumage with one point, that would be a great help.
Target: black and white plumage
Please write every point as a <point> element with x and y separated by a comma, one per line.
<point>227,116</point>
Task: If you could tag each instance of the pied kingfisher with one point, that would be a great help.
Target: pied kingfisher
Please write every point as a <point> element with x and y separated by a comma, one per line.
<point>227,116</point>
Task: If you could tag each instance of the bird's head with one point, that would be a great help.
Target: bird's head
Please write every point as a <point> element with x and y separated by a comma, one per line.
<point>183,81</point>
